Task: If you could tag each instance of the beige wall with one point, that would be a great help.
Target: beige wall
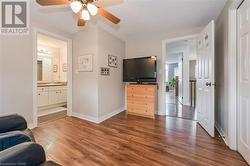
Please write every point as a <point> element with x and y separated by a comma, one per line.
<point>110,88</point>
<point>17,73</point>
<point>221,68</point>
<point>151,44</point>
<point>96,96</point>
<point>63,60</point>
<point>1,78</point>
<point>85,84</point>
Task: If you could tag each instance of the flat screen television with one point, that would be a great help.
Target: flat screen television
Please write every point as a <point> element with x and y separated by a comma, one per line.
<point>140,70</point>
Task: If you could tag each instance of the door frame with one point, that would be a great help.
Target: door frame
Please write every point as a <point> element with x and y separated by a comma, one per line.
<point>162,95</point>
<point>69,71</point>
<point>231,139</point>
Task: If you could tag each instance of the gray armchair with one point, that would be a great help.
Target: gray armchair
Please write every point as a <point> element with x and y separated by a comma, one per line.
<point>17,144</point>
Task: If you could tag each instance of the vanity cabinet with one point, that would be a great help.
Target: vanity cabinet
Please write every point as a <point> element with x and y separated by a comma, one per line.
<point>48,96</point>
<point>43,96</point>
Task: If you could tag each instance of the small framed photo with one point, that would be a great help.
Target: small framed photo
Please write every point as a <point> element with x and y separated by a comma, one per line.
<point>105,71</point>
<point>65,67</point>
<point>85,63</point>
<point>55,68</point>
<point>112,61</point>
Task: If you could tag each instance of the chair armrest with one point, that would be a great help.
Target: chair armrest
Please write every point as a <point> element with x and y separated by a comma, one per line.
<point>28,153</point>
<point>13,138</point>
<point>12,123</point>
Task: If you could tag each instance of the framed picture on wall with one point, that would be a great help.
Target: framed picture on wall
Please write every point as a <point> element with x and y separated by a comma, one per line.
<point>64,67</point>
<point>112,61</point>
<point>85,63</point>
<point>55,68</point>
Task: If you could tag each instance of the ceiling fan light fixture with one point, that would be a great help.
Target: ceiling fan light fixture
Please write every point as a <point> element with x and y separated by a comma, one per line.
<point>76,6</point>
<point>92,9</point>
<point>85,15</point>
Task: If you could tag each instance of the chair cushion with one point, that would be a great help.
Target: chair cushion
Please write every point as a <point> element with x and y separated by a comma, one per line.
<point>29,133</point>
<point>49,163</point>
<point>28,153</point>
<point>12,123</point>
<point>13,138</point>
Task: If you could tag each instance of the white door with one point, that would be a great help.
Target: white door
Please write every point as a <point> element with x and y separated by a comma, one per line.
<point>243,69</point>
<point>180,78</point>
<point>205,79</point>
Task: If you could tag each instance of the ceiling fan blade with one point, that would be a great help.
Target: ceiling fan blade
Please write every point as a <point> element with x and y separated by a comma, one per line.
<point>53,2</point>
<point>108,15</point>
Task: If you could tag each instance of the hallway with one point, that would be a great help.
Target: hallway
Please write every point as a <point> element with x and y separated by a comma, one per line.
<point>175,109</point>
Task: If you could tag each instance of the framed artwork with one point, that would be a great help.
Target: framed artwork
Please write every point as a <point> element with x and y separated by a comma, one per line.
<point>65,67</point>
<point>105,71</point>
<point>85,63</point>
<point>112,61</point>
<point>55,68</point>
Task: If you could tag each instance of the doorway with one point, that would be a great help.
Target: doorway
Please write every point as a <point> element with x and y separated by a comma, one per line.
<point>52,82</point>
<point>180,78</point>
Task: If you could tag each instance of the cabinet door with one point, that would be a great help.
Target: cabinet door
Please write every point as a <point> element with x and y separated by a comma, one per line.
<point>63,96</point>
<point>53,97</point>
<point>42,99</point>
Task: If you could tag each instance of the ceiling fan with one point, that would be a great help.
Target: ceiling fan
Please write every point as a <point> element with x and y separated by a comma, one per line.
<point>84,8</point>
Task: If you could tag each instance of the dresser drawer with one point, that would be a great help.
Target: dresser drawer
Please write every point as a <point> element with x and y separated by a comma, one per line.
<point>141,109</point>
<point>141,90</point>
<point>142,100</point>
<point>139,98</point>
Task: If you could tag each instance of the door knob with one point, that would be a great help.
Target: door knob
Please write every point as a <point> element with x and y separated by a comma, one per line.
<point>208,84</point>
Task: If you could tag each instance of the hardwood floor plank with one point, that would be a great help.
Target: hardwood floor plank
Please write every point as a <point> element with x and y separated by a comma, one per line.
<point>131,140</point>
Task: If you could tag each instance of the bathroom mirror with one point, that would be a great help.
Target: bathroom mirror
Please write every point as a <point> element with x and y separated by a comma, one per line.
<point>45,69</point>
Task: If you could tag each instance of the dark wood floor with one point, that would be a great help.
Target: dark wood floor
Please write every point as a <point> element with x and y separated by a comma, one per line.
<point>131,140</point>
<point>175,109</point>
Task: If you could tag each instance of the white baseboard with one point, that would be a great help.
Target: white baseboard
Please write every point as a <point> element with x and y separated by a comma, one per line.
<point>105,117</point>
<point>31,126</point>
<point>221,132</point>
<point>85,117</point>
<point>98,119</point>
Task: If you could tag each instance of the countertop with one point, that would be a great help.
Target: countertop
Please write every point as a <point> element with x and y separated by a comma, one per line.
<point>51,84</point>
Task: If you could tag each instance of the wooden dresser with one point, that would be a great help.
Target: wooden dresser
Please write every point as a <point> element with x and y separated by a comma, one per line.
<point>142,100</point>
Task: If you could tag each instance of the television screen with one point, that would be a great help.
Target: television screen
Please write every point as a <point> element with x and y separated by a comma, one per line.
<point>139,69</point>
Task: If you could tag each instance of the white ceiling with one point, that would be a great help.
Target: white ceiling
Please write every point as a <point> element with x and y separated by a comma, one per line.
<point>50,41</point>
<point>138,17</point>
<point>175,49</point>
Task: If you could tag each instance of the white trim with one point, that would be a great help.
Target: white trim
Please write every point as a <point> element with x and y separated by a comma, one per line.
<point>105,117</point>
<point>97,119</point>
<point>221,132</point>
<point>31,126</point>
<point>69,72</point>
<point>162,93</point>
<point>85,117</point>
<point>232,76</point>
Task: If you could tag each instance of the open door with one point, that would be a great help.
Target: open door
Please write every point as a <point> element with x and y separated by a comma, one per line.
<point>243,79</point>
<point>205,79</point>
